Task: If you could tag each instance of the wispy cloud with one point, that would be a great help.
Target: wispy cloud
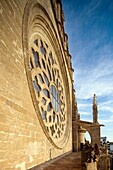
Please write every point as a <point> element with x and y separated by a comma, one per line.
<point>92,7</point>
<point>106,106</point>
<point>84,113</point>
<point>90,31</point>
<point>94,79</point>
<point>105,121</point>
<point>83,105</point>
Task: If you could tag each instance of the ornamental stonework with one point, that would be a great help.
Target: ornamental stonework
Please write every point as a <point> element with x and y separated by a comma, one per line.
<point>48,87</point>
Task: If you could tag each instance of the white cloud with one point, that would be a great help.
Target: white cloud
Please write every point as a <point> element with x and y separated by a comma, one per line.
<point>84,105</point>
<point>87,120</point>
<point>106,108</point>
<point>84,113</point>
<point>91,47</point>
<point>105,121</point>
<point>99,80</point>
<point>108,120</point>
<point>106,103</point>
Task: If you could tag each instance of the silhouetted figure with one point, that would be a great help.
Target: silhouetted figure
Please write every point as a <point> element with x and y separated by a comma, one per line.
<point>88,152</point>
<point>96,152</point>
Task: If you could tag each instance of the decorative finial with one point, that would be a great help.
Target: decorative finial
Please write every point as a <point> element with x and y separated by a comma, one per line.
<point>95,99</point>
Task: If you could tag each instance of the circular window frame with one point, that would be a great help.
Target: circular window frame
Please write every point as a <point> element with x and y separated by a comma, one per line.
<point>30,26</point>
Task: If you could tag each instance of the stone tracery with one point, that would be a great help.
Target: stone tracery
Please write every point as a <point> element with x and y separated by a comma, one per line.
<point>49,88</point>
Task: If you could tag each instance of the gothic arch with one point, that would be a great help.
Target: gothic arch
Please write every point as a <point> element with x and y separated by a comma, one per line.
<point>93,129</point>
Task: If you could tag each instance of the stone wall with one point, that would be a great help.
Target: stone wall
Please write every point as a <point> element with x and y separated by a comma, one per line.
<point>24,141</point>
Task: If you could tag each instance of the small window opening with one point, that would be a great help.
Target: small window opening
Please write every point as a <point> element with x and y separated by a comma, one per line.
<point>36,42</point>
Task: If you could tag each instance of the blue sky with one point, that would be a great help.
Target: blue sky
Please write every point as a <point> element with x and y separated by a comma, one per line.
<point>89,25</point>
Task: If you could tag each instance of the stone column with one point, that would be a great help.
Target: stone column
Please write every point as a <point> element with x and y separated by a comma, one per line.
<point>81,138</point>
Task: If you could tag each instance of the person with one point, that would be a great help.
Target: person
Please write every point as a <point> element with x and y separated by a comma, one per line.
<point>96,153</point>
<point>88,152</point>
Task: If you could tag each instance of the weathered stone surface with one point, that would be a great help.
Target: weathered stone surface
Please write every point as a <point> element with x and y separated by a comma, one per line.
<point>23,143</point>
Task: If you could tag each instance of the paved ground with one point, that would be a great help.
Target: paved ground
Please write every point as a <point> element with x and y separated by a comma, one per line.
<point>71,161</point>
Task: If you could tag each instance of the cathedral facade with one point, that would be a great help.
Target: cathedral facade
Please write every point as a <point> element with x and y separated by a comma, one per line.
<point>36,84</point>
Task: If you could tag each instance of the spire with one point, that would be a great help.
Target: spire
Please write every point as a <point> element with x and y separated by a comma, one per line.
<point>95,110</point>
<point>94,100</point>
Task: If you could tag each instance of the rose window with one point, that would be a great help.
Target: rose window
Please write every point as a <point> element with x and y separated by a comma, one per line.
<point>48,87</point>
